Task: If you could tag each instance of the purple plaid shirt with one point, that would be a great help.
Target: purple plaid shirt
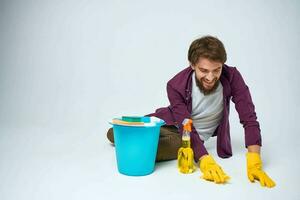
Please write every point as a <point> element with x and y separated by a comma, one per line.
<point>179,93</point>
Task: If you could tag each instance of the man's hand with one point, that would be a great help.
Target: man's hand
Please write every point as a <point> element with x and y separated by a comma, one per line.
<point>212,171</point>
<point>255,172</point>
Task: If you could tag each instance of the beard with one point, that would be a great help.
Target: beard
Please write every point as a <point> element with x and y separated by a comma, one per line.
<point>207,91</point>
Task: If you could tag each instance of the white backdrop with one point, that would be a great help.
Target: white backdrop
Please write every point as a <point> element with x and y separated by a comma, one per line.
<point>67,67</point>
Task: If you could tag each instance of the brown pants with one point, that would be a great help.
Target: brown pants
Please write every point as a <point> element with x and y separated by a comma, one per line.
<point>168,145</point>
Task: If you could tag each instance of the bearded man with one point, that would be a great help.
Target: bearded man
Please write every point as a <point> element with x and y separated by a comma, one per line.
<point>202,92</point>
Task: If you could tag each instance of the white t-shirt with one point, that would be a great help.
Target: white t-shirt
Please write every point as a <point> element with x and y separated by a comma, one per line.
<point>207,110</point>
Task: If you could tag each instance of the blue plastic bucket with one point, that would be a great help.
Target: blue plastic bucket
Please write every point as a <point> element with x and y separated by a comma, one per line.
<point>136,148</point>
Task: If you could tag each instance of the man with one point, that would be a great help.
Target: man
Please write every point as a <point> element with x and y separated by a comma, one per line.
<point>202,92</point>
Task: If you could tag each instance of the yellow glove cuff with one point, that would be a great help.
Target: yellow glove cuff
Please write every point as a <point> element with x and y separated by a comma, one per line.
<point>253,160</point>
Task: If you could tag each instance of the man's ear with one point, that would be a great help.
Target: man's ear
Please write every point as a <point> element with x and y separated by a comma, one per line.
<point>192,66</point>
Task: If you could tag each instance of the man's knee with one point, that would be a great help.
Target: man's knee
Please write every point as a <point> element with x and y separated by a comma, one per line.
<point>168,147</point>
<point>110,135</point>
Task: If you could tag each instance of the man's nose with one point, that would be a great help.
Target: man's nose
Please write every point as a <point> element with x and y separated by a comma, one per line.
<point>210,76</point>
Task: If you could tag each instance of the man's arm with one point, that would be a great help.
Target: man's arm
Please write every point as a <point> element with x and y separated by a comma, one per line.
<point>246,110</point>
<point>254,149</point>
<point>180,112</point>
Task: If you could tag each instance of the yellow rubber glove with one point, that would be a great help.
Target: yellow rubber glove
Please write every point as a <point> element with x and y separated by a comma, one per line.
<point>185,160</point>
<point>212,171</point>
<point>255,172</point>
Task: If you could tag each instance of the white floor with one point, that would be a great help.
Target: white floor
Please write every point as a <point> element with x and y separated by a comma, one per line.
<point>39,163</point>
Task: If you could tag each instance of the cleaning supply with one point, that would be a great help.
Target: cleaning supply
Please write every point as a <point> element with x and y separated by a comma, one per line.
<point>211,170</point>
<point>136,119</point>
<point>185,157</point>
<point>255,172</point>
<point>136,142</point>
<point>122,122</point>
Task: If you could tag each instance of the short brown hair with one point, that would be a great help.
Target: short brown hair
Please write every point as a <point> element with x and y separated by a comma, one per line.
<point>207,47</point>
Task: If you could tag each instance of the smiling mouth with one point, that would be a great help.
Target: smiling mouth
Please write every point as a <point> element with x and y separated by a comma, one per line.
<point>206,83</point>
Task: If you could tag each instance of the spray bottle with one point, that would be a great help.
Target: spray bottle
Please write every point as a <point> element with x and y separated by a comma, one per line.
<point>185,157</point>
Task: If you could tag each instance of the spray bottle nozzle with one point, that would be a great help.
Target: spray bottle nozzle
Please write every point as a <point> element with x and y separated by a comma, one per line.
<point>187,125</point>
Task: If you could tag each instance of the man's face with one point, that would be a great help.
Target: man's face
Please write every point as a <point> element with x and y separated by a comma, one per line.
<point>207,74</point>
